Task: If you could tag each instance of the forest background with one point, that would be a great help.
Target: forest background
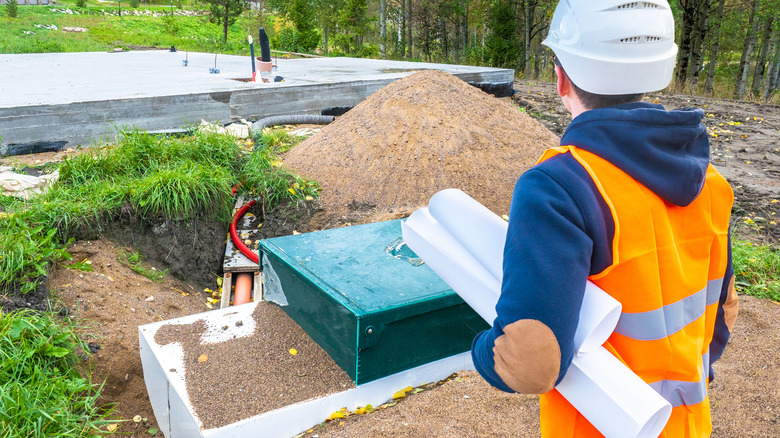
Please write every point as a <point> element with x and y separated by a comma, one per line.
<point>727,48</point>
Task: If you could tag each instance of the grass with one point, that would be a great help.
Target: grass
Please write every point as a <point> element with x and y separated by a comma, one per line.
<point>264,176</point>
<point>45,386</point>
<point>757,269</point>
<point>27,253</point>
<point>107,31</point>
<point>134,259</point>
<point>144,175</point>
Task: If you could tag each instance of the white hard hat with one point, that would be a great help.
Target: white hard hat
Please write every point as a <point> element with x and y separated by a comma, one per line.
<point>614,47</point>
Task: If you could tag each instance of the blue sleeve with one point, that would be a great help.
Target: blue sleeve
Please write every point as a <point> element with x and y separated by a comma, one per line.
<point>721,334</point>
<point>557,218</point>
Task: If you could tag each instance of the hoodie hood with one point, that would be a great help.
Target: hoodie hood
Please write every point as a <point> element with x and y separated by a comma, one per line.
<point>666,151</point>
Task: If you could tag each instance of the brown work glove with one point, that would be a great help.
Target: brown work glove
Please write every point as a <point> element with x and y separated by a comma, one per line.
<point>527,357</point>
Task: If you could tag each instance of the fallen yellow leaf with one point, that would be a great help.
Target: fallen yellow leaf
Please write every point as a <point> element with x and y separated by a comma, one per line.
<point>203,358</point>
<point>360,411</point>
<point>293,351</point>
<point>112,427</point>
<point>402,393</point>
<point>337,414</point>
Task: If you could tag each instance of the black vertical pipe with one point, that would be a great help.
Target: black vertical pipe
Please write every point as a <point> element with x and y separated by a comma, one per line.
<point>265,46</point>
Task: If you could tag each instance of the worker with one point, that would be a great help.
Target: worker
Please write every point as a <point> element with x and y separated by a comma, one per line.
<point>628,201</point>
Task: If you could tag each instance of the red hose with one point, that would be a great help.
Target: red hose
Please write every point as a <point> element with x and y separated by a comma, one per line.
<point>234,234</point>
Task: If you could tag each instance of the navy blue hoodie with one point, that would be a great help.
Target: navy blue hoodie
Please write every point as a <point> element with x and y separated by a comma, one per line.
<point>561,230</point>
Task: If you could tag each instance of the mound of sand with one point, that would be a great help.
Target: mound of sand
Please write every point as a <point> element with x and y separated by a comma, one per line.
<point>420,134</point>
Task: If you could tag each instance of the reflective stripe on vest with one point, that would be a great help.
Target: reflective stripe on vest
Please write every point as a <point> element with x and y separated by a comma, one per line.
<point>679,393</point>
<point>671,318</point>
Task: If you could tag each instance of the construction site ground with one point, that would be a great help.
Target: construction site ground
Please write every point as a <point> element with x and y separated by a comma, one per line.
<point>115,300</point>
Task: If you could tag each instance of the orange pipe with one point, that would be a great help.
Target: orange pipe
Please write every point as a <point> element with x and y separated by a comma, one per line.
<point>243,292</point>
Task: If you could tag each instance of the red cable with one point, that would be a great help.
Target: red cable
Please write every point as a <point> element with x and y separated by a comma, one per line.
<point>234,234</point>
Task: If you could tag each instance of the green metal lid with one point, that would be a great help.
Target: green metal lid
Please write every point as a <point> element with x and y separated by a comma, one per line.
<point>366,268</point>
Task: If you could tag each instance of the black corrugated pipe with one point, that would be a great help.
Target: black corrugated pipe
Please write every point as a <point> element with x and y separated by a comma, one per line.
<point>296,119</point>
<point>265,46</point>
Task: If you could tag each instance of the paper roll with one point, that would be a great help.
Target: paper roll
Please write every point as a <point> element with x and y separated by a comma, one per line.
<point>614,399</point>
<point>463,243</point>
<point>481,232</point>
<point>452,263</point>
<point>598,318</point>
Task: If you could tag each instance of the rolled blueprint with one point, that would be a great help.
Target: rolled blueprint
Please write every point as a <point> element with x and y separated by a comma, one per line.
<point>614,399</point>
<point>462,241</point>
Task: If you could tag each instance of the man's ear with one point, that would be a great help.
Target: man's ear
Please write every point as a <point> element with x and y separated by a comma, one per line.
<point>564,85</point>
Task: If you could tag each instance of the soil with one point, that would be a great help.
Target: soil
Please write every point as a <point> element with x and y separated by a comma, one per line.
<point>745,141</point>
<point>264,373</point>
<point>404,143</point>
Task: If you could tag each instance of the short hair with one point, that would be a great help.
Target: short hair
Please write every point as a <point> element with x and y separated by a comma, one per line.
<point>594,101</point>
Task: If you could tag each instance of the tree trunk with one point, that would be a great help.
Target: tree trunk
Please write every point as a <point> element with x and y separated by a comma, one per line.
<point>758,75</point>
<point>325,39</point>
<point>747,53</point>
<point>774,69</point>
<point>466,32</point>
<point>715,48</point>
<point>382,29</point>
<point>409,28</point>
<point>688,8</point>
<point>697,43</point>
<point>225,21</point>
<point>402,29</point>
<point>529,7</point>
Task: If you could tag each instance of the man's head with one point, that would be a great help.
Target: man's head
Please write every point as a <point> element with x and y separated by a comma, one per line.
<point>611,52</point>
<point>588,100</point>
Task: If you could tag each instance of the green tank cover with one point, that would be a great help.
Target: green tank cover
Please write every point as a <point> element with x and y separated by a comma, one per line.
<point>367,299</point>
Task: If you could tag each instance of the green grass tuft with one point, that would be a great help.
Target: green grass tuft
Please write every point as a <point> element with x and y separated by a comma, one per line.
<point>264,176</point>
<point>134,261</point>
<point>27,253</point>
<point>757,269</point>
<point>45,386</point>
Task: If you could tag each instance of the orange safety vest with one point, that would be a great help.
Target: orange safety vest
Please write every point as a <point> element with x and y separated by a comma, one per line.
<point>667,270</point>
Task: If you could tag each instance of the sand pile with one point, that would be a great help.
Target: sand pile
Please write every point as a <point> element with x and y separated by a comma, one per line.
<point>420,134</point>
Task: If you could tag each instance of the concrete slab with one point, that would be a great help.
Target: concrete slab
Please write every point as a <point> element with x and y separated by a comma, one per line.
<point>80,97</point>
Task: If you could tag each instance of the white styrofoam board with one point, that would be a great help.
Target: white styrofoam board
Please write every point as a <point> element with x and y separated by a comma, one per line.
<point>176,416</point>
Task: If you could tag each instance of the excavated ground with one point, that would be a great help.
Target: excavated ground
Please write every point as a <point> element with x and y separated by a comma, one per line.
<point>402,145</point>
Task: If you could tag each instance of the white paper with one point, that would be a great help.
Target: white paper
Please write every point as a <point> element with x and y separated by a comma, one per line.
<point>452,263</point>
<point>463,242</point>
<point>614,399</point>
<point>598,318</point>
<point>480,231</point>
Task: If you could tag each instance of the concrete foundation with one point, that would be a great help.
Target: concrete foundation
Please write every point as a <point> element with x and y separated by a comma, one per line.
<point>78,98</point>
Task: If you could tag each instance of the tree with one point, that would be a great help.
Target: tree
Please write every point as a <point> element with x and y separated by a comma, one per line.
<point>328,12</point>
<point>502,47</point>
<point>774,68</point>
<point>303,17</point>
<point>11,8</point>
<point>383,28</point>
<point>714,47</point>
<point>354,22</point>
<point>763,52</point>
<point>225,12</point>
<point>747,51</point>
<point>693,33</point>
